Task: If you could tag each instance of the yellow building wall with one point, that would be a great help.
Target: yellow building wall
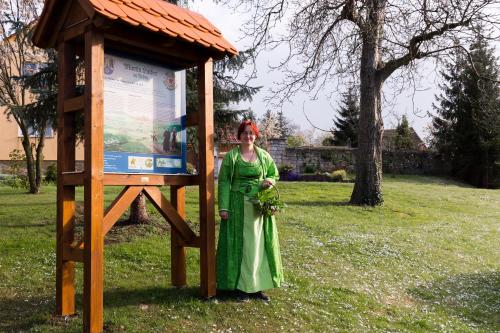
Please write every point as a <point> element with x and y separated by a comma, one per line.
<point>10,140</point>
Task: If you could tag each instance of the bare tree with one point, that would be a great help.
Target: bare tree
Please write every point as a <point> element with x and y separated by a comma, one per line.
<point>371,39</point>
<point>17,18</point>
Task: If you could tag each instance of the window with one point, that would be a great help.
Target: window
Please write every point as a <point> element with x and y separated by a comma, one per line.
<point>49,132</point>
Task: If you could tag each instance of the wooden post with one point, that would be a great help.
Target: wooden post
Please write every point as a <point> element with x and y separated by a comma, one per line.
<point>93,182</point>
<point>177,251</point>
<point>65,270</point>
<point>206,143</point>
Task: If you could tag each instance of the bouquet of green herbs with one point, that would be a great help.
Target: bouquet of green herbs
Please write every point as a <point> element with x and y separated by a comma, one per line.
<point>268,201</point>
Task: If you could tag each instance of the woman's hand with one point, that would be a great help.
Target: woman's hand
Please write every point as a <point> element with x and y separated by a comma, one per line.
<point>266,183</point>
<point>224,214</point>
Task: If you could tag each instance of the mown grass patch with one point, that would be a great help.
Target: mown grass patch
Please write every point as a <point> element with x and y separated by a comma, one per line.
<point>428,260</point>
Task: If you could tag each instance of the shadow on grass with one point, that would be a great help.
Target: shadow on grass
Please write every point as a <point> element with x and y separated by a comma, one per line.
<point>119,297</point>
<point>426,180</point>
<point>474,297</point>
<point>20,314</point>
<point>24,226</point>
<point>319,203</point>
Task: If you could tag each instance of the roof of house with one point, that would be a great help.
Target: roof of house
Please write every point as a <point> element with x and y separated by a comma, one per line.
<point>155,15</point>
<point>390,134</point>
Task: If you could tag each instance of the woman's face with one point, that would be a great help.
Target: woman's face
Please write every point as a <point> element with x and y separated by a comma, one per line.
<point>247,136</point>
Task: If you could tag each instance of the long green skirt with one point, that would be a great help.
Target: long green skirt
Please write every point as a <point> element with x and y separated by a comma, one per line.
<point>248,255</point>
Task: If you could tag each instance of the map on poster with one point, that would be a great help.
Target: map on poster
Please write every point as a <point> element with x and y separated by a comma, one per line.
<point>144,117</point>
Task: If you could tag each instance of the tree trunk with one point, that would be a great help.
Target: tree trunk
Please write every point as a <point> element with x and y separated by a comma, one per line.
<point>39,160</point>
<point>138,212</point>
<point>368,185</point>
<point>30,165</point>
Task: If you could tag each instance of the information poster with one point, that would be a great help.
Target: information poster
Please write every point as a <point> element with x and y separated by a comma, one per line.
<point>144,117</point>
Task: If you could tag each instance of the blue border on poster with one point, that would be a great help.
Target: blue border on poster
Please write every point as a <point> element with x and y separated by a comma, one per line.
<point>117,162</point>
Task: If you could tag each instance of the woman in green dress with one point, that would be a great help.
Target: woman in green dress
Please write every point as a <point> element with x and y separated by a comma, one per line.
<point>248,256</point>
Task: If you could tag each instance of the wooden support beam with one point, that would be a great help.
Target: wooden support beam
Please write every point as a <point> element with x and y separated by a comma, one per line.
<point>150,180</point>
<point>206,149</point>
<point>74,104</point>
<point>94,189</point>
<point>119,206</point>
<point>177,250</point>
<point>73,253</point>
<point>75,178</point>
<point>73,32</point>
<point>72,178</point>
<point>169,212</point>
<point>65,268</point>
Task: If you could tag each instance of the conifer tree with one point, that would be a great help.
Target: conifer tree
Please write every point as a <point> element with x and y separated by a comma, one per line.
<point>402,140</point>
<point>347,123</point>
<point>465,129</point>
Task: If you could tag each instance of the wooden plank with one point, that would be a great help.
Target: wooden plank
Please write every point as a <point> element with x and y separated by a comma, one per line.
<point>119,206</point>
<point>177,250</point>
<point>149,180</point>
<point>169,212</point>
<point>73,178</point>
<point>168,50</point>
<point>74,32</point>
<point>73,253</point>
<point>74,104</point>
<point>94,189</point>
<point>195,242</point>
<point>192,119</point>
<point>65,269</point>
<point>206,149</point>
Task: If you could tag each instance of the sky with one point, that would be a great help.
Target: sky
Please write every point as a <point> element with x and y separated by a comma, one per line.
<point>414,102</point>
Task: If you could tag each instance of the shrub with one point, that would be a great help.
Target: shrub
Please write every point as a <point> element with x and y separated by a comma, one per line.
<point>51,174</point>
<point>16,177</point>
<point>16,181</point>
<point>339,175</point>
<point>285,168</point>
<point>309,168</point>
<point>17,159</point>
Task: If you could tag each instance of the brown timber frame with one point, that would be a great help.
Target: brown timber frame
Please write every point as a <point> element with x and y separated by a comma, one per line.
<point>86,39</point>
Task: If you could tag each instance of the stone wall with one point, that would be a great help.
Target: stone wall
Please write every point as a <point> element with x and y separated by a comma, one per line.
<point>333,158</point>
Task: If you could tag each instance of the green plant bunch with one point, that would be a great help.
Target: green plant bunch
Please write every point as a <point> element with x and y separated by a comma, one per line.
<point>268,201</point>
<point>285,168</point>
<point>339,175</point>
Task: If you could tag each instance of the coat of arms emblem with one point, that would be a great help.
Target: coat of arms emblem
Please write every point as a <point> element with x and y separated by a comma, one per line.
<point>109,66</point>
<point>169,81</point>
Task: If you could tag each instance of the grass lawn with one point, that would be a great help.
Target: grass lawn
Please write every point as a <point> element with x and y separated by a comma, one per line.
<point>428,260</point>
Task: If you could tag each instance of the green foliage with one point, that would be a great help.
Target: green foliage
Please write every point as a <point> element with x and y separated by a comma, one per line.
<point>339,175</point>
<point>17,158</point>
<point>227,93</point>
<point>347,122</point>
<point>309,168</point>
<point>294,141</point>
<point>51,174</point>
<point>41,113</point>
<point>466,129</point>
<point>403,138</point>
<point>16,177</point>
<point>328,141</point>
<point>268,201</point>
<point>284,169</point>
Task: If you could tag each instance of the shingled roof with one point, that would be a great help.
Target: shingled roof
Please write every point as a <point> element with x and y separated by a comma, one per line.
<point>154,15</point>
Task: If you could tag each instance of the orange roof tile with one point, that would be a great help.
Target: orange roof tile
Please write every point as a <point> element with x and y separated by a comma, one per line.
<point>159,15</point>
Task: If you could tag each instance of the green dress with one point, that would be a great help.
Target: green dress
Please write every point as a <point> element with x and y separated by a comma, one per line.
<point>248,256</point>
